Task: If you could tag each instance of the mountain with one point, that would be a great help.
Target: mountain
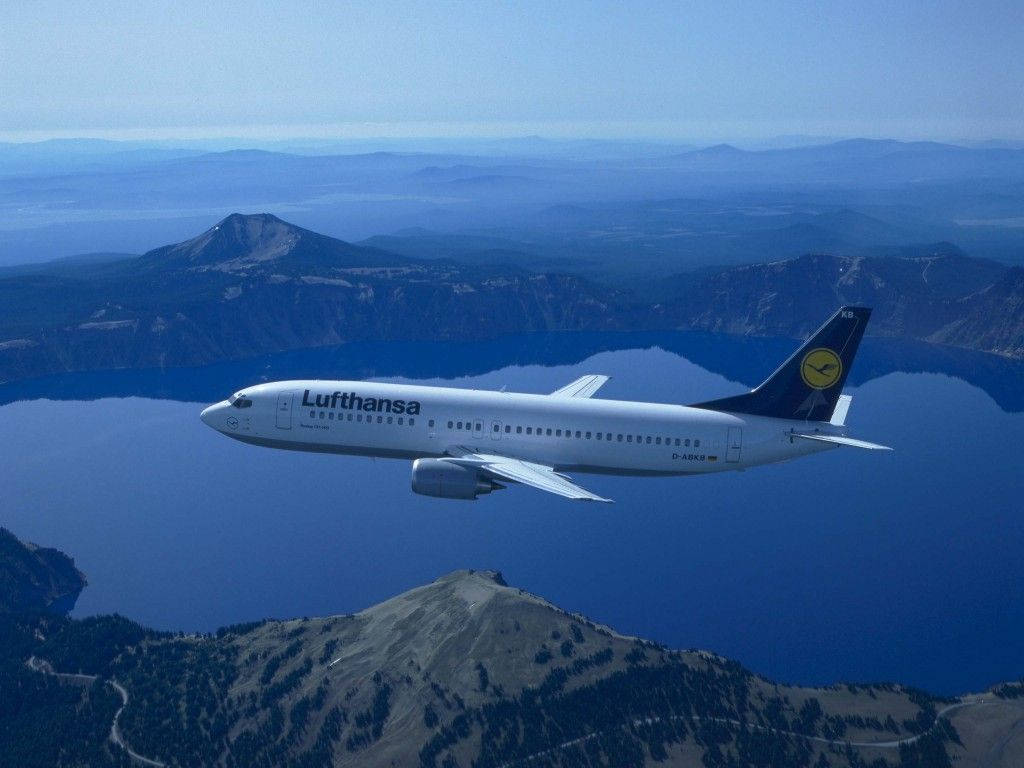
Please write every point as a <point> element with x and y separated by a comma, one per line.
<point>254,285</point>
<point>35,578</point>
<point>464,671</point>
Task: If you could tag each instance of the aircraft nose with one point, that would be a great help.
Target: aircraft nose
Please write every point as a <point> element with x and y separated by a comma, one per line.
<point>210,415</point>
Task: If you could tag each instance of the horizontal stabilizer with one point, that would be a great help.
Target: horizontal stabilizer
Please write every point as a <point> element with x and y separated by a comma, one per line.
<point>584,386</point>
<point>840,440</point>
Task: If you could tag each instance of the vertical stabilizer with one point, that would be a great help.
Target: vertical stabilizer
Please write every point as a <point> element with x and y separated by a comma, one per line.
<point>808,385</point>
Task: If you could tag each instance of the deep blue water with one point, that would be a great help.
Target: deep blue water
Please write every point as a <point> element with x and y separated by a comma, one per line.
<point>850,565</point>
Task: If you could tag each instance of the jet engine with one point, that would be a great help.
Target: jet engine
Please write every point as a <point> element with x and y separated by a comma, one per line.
<point>445,480</point>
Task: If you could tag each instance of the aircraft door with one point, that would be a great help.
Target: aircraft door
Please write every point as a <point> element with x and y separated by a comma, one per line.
<point>495,430</point>
<point>478,428</point>
<point>284,410</point>
<point>734,444</point>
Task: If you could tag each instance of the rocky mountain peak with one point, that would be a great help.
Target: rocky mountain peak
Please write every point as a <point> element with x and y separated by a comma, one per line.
<point>251,238</point>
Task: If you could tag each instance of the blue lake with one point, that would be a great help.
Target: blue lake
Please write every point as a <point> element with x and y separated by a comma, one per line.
<point>848,565</point>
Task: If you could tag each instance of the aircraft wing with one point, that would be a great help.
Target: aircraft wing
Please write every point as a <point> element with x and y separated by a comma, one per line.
<point>584,386</point>
<point>839,440</point>
<point>539,476</point>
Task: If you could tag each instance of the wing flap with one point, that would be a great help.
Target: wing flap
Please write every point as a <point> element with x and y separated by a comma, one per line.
<point>840,440</point>
<point>538,476</point>
<point>584,386</point>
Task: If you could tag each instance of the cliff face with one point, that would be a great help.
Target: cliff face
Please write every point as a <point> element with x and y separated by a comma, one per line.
<point>991,319</point>
<point>945,297</point>
<point>36,578</point>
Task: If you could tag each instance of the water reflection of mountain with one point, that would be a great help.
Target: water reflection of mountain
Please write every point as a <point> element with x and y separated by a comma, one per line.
<point>747,360</point>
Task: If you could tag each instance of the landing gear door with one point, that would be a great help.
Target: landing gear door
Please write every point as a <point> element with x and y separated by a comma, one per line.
<point>734,444</point>
<point>284,410</point>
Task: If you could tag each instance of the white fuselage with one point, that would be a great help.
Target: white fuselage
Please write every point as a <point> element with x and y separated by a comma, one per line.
<point>566,433</point>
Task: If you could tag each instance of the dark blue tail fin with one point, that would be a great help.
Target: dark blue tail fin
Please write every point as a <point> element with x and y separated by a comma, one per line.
<point>809,383</point>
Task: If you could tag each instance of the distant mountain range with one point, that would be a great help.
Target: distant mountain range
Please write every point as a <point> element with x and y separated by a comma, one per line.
<point>625,208</point>
<point>255,284</point>
<point>466,670</point>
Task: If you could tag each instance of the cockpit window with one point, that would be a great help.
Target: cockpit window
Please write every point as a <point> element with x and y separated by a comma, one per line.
<point>239,400</point>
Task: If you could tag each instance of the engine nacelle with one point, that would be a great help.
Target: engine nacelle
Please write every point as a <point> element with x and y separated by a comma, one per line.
<point>445,480</point>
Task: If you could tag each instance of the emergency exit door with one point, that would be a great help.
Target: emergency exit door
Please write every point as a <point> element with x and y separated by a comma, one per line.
<point>284,410</point>
<point>734,444</point>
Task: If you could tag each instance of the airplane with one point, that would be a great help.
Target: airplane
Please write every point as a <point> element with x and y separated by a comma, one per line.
<point>465,443</point>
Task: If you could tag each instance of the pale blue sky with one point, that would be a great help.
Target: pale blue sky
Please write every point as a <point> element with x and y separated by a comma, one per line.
<point>686,70</point>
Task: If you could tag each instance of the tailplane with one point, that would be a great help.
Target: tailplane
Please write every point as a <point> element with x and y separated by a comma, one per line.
<point>809,384</point>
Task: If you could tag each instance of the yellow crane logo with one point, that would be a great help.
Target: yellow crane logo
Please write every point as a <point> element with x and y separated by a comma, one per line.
<point>821,368</point>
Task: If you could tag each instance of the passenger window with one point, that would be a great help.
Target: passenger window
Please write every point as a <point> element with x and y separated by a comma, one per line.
<point>412,422</point>
<point>696,443</point>
<point>578,433</point>
<point>558,432</point>
<point>330,416</point>
<point>620,438</point>
<point>312,414</point>
<point>380,419</point>
<point>429,423</point>
<point>588,435</point>
<point>349,417</point>
<point>677,442</point>
<point>391,419</point>
<point>401,420</point>
<point>686,442</point>
<point>519,430</point>
<point>322,414</point>
<point>549,431</point>
<point>508,429</point>
<point>460,425</point>
<point>649,440</point>
<point>629,438</point>
<point>497,428</point>
<point>478,426</point>
<point>529,430</point>
<point>657,441</point>
<point>599,435</point>
<point>449,425</point>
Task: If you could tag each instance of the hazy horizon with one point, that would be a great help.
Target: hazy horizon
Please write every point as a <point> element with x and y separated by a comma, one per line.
<point>238,137</point>
<point>703,72</point>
